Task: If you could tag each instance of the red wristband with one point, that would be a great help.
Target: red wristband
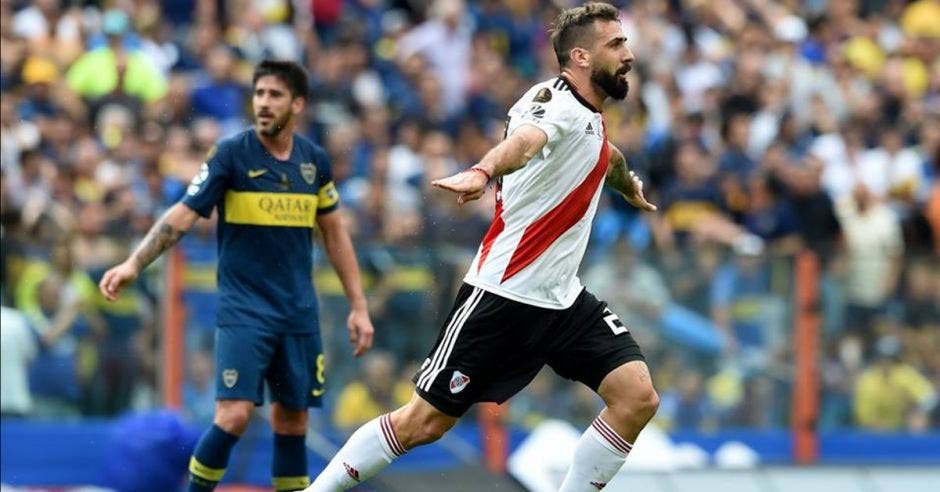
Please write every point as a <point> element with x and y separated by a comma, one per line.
<point>479,170</point>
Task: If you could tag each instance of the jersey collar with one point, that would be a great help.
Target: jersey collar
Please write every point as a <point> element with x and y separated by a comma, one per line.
<point>577,96</point>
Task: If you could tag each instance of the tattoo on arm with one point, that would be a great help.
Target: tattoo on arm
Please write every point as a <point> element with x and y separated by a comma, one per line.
<point>161,237</point>
<point>618,176</point>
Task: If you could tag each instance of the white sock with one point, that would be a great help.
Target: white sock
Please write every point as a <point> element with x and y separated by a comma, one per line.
<point>367,452</point>
<point>598,457</point>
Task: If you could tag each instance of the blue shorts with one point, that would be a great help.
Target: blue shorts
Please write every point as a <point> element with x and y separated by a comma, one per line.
<point>291,364</point>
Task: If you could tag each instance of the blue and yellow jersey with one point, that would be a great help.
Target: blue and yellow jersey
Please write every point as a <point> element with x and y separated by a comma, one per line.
<point>267,211</point>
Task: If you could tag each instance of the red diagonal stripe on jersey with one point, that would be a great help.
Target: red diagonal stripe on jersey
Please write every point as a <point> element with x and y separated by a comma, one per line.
<point>546,229</point>
<point>495,229</point>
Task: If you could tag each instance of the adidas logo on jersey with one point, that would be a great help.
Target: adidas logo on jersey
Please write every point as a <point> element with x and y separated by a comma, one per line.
<point>590,129</point>
<point>598,485</point>
<point>458,382</point>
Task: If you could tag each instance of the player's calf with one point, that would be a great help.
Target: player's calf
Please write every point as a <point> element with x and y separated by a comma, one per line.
<point>289,466</point>
<point>604,446</point>
<point>419,423</point>
<point>210,458</point>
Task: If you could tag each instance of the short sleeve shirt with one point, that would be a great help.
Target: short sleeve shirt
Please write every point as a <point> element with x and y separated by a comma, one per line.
<point>267,210</point>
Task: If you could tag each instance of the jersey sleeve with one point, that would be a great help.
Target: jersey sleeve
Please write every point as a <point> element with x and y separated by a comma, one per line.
<point>540,109</point>
<point>208,187</point>
<point>327,196</point>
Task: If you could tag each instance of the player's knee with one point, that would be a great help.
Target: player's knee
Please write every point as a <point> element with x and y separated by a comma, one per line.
<point>637,407</point>
<point>647,404</point>
<point>289,427</point>
<point>291,423</point>
<point>233,417</point>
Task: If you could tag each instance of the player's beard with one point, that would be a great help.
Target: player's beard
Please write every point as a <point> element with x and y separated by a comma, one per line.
<point>276,126</point>
<point>612,83</point>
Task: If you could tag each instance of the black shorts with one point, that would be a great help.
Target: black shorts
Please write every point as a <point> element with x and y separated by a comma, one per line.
<point>491,347</point>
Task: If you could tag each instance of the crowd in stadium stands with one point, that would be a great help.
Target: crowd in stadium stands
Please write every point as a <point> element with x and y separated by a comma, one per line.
<point>761,128</point>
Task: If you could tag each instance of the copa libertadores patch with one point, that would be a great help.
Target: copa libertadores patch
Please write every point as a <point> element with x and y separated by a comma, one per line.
<point>543,95</point>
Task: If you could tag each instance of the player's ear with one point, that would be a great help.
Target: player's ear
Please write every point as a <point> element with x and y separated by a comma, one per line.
<point>297,105</point>
<point>581,57</point>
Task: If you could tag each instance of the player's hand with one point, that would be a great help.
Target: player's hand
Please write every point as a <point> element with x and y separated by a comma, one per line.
<point>469,185</point>
<point>116,279</point>
<point>636,198</point>
<point>360,331</point>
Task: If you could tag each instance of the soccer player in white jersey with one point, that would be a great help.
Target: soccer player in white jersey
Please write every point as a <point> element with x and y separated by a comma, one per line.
<point>522,305</point>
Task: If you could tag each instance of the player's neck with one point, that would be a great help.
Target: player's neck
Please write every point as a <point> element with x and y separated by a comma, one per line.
<point>581,83</point>
<point>279,145</point>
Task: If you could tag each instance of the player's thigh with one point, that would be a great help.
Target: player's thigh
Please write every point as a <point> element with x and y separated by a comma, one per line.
<point>242,357</point>
<point>296,376</point>
<point>596,343</point>
<point>488,349</point>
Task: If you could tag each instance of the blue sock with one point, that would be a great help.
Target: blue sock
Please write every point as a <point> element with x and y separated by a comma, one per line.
<point>210,459</point>
<point>289,468</point>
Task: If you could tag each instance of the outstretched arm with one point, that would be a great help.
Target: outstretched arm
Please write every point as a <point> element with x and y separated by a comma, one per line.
<point>511,154</point>
<point>339,249</point>
<point>163,235</point>
<point>625,181</point>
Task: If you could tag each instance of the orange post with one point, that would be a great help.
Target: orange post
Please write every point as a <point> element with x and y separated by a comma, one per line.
<point>174,317</point>
<point>805,409</point>
<point>495,437</point>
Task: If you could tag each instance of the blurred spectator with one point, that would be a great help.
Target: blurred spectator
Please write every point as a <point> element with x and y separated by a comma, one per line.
<point>691,200</point>
<point>686,407</point>
<point>444,40</point>
<point>873,254</point>
<point>921,295</point>
<point>199,284</point>
<point>746,310</point>
<point>891,394</point>
<point>540,400</point>
<point>376,392</point>
<point>221,96</point>
<point>403,291</point>
<point>199,388</point>
<point>115,69</point>
<point>770,217</point>
<point>50,29</point>
<point>843,360</point>
<point>637,292</point>
<point>18,347</point>
<point>126,353</point>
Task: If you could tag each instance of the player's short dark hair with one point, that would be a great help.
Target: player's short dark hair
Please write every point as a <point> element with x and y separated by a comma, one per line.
<point>575,28</point>
<point>291,73</point>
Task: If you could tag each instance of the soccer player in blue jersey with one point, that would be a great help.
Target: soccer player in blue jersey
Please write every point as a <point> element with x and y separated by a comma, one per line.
<point>271,188</point>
